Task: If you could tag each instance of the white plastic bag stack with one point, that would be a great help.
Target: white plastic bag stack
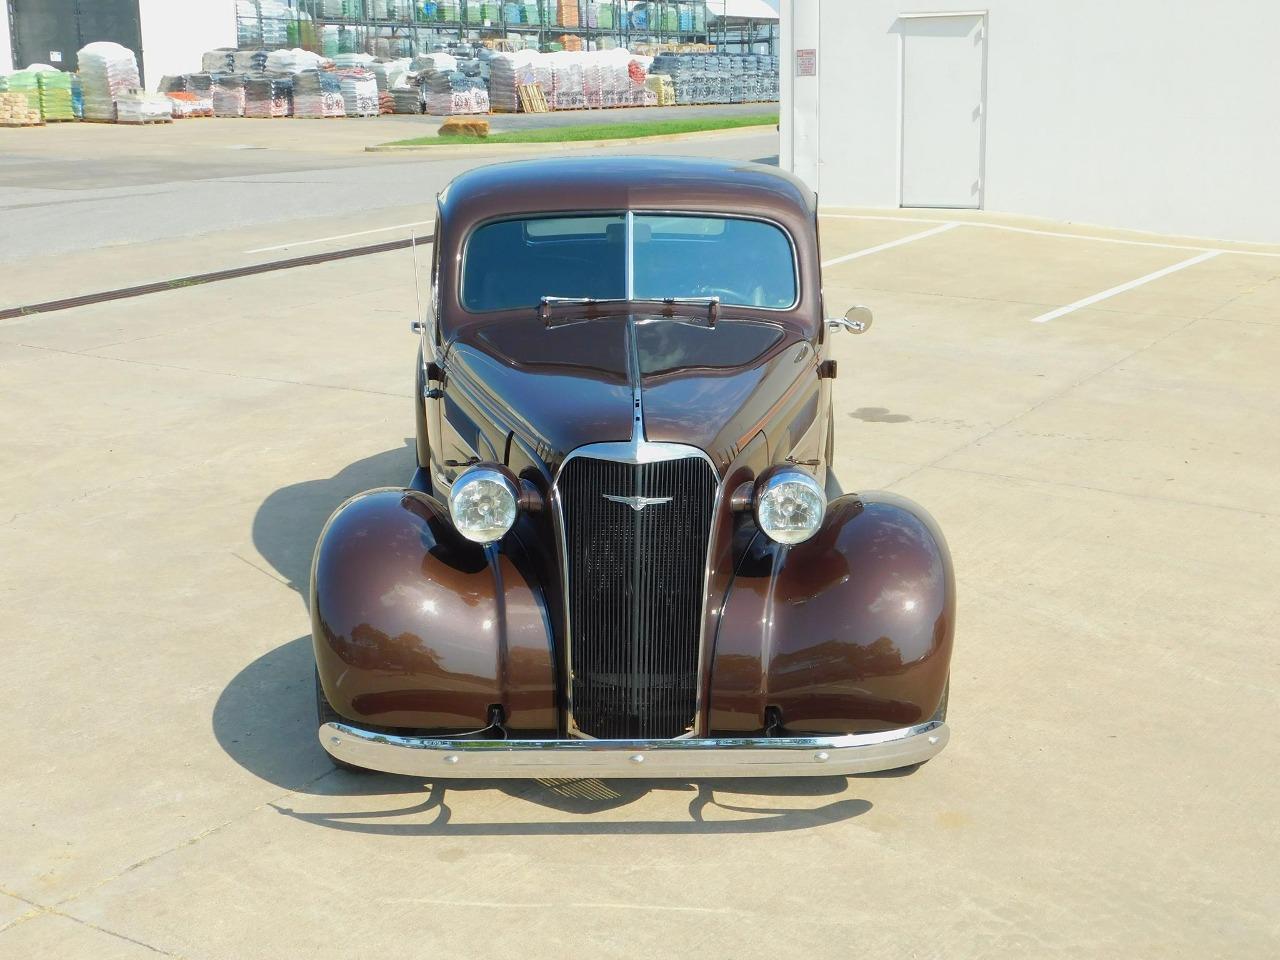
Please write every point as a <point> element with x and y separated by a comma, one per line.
<point>352,61</point>
<point>144,108</point>
<point>293,61</point>
<point>107,71</point>
<point>390,73</point>
<point>568,91</point>
<point>359,93</point>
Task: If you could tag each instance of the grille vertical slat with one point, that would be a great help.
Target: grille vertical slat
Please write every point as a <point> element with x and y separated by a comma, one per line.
<point>635,593</point>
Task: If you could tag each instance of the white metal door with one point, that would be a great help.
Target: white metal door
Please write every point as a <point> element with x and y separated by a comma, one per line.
<point>942,110</point>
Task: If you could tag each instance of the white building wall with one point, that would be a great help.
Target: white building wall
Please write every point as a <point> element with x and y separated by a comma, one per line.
<point>176,34</point>
<point>1143,114</point>
<point>6,41</point>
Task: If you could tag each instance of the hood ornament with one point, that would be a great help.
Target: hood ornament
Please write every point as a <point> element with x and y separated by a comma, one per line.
<point>638,503</point>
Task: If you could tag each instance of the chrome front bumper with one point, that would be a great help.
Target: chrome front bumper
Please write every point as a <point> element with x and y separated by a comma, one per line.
<point>651,759</point>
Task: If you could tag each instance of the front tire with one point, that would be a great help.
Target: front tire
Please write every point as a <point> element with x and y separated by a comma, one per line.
<point>326,714</point>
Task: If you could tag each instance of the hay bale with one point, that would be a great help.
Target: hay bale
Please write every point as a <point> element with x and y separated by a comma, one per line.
<point>464,127</point>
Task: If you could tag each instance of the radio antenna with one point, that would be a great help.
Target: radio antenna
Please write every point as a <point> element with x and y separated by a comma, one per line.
<point>419,323</point>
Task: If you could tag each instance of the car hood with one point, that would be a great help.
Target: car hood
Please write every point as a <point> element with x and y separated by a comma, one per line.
<point>561,386</point>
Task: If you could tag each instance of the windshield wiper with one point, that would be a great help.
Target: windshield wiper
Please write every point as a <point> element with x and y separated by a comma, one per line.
<point>669,303</point>
<point>711,303</point>
<point>545,303</point>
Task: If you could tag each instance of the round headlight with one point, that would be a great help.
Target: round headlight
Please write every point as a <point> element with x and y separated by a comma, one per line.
<point>789,506</point>
<point>482,503</point>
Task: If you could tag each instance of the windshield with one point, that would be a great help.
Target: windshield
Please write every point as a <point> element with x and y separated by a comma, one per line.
<point>515,263</point>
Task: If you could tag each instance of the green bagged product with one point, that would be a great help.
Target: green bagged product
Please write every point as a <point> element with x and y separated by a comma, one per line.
<point>55,95</point>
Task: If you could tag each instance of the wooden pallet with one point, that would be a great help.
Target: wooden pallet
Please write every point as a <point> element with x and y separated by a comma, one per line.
<point>7,124</point>
<point>532,99</point>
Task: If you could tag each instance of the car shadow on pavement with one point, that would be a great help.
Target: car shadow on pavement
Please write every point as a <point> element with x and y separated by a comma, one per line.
<point>582,801</point>
<point>265,721</point>
<point>288,524</point>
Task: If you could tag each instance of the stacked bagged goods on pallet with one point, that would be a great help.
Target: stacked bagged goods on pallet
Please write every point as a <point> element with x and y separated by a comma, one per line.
<point>390,73</point>
<point>46,88</point>
<point>228,95</point>
<point>408,99</point>
<point>449,85</point>
<point>453,93</point>
<point>26,85</point>
<point>507,72</point>
<point>359,93</point>
<point>275,18</point>
<point>107,71</point>
<point>351,61</point>
<point>567,13</point>
<point>186,104</point>
<point>268,97</point>
<point>290,62</point>
<point>16,109</point>
<point>602,78</point>
<point>720,77</point>
<point>144,108</point>
<point>572,81</point>
<point>317,94</point>
<point>222,60</point>
<point>664,91</point>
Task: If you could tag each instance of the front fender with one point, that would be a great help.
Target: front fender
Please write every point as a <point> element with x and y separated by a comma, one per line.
<point>415,626</point>
<point>849,632</point>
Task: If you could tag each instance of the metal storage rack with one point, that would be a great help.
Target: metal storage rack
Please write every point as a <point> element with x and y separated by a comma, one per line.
<point>410,27</point>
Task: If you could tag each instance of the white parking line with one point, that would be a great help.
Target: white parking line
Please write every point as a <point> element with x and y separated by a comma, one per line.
<point>1050,233</point>
<point>342,236</point>
<point>1107,294</point>
<point>892,243</point>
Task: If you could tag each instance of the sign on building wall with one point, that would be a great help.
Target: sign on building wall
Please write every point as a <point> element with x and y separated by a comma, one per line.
<point>806,63</point>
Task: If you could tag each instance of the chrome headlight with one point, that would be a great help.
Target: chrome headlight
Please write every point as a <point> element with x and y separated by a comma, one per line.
<point>483,503</point>
<point>789,506</point>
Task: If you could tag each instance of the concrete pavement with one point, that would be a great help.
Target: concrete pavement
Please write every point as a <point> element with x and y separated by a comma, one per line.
<point>1106,481</point>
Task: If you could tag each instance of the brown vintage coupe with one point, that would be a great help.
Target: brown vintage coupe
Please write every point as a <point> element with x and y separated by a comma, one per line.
<point>624,553</point>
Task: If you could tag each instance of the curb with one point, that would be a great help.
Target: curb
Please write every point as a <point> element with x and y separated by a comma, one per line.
<point>470,149</point>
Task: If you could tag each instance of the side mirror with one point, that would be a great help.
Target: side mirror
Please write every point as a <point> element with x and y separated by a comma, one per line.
<point>857,320</point>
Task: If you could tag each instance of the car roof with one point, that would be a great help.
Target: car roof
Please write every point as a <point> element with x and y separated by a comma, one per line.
<point>587,183</point>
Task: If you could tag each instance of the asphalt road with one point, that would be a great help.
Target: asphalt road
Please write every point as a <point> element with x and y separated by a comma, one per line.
<point>75,187</point>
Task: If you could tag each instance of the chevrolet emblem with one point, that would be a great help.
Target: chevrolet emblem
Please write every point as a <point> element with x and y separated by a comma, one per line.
<point>638,503</point>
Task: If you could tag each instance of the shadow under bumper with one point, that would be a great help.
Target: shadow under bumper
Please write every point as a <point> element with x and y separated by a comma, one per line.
<point>649,759</point>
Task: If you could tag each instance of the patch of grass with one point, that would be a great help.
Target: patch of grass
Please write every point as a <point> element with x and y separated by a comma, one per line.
<point>599,131</point>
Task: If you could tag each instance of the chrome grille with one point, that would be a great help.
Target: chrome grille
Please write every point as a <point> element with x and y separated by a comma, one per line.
<point>635,592</point>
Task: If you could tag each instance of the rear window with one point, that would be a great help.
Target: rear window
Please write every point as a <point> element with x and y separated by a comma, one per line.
<point>511,264</point>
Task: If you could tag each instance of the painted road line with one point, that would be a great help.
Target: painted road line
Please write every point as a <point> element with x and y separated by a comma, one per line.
<point>1053,233</point>
<point>1108,294</point>
<point>179,283</point>
<point>342,236</point>
<point>891,244</point>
